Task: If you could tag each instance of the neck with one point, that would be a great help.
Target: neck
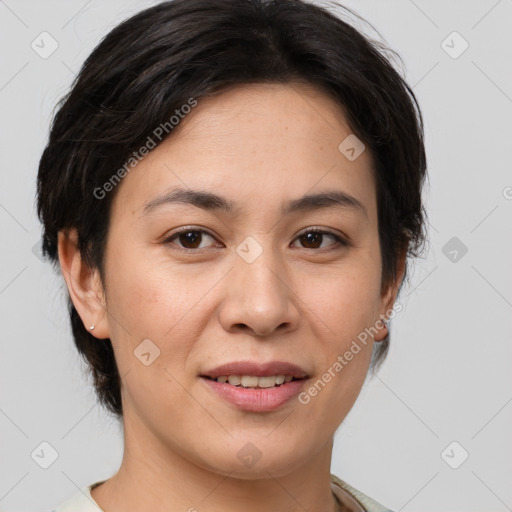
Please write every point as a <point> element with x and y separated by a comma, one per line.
<point>155,477</point>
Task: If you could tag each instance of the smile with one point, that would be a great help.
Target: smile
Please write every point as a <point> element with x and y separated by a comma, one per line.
<point>252,381</point>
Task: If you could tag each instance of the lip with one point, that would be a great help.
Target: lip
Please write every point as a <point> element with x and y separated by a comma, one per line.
<point>256,400</point>
<point>256,369</point>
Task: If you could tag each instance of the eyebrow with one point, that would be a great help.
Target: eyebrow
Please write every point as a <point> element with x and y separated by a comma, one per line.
<point>210,201</point>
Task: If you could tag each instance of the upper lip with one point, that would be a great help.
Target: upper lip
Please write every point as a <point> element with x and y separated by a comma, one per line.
<point>256,369</point>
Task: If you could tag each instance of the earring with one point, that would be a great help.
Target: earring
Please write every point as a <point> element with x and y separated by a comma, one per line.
<point>91,328</point>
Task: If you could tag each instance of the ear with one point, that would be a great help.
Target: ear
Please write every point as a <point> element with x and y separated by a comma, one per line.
<point>84,285</point>
<point>389,295</point>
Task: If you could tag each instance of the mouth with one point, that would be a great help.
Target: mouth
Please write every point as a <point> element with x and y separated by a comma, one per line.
<point>255,382</point>
<point>256,387</point>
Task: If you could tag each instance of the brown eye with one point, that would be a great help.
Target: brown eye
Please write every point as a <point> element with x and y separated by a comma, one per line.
<point>188,239</point>
<point>313,239</point>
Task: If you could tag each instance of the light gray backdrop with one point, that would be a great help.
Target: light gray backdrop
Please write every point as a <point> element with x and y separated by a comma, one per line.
<point>433,430</point>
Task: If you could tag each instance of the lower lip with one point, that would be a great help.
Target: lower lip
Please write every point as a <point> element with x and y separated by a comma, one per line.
<point>256,399</point>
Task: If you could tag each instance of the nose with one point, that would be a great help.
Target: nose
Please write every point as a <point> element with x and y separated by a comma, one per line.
<point>259,298</point>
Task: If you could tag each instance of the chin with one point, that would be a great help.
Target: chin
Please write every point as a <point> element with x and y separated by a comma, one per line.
<point>251,462</point>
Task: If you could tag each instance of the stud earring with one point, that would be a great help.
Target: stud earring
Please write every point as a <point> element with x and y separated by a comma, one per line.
<point>91,328</point>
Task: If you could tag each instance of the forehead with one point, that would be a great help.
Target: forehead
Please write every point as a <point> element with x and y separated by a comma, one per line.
<point>254,142</point>
<point>280,111</point>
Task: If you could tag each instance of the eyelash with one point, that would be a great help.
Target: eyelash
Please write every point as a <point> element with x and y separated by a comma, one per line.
<point>339,241</point>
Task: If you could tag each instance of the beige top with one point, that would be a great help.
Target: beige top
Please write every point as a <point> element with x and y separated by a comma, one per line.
<point>355,500</point>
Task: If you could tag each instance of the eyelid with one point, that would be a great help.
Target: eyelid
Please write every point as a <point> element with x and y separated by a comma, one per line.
<point>320,229</point>
<point>341,240</point>
<point>167,239</point>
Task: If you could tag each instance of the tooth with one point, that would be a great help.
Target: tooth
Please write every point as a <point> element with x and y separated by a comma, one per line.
<point>234,380</point>
<point>248,381</point>
<point>251,381</point>
<point>267,382</point>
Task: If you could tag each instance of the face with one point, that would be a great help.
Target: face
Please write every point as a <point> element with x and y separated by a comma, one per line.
<point>258,283</point>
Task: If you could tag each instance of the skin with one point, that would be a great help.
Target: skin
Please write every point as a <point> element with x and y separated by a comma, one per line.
<point>258,146</point>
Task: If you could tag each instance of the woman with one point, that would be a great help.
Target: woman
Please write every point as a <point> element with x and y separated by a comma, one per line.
<point>231,190</point>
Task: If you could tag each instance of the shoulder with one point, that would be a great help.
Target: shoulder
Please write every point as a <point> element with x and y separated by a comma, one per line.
<point>366,503</point>
<point>81,501</point>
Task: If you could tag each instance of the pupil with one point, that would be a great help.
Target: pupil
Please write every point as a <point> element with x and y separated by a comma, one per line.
<point>311,238</point>
<point>190,237</point>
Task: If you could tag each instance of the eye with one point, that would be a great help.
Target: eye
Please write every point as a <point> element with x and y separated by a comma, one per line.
<point>313,238</point>
<point>189,238</point>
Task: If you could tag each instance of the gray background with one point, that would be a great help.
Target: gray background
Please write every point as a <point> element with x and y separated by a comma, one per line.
<point>448,374</point>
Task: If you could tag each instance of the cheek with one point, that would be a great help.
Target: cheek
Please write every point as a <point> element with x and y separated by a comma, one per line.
<point>145,302</point>
<point>344,306</point>
<point>147,295</point>
<point>345,298</point>
<point>149,301</point>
